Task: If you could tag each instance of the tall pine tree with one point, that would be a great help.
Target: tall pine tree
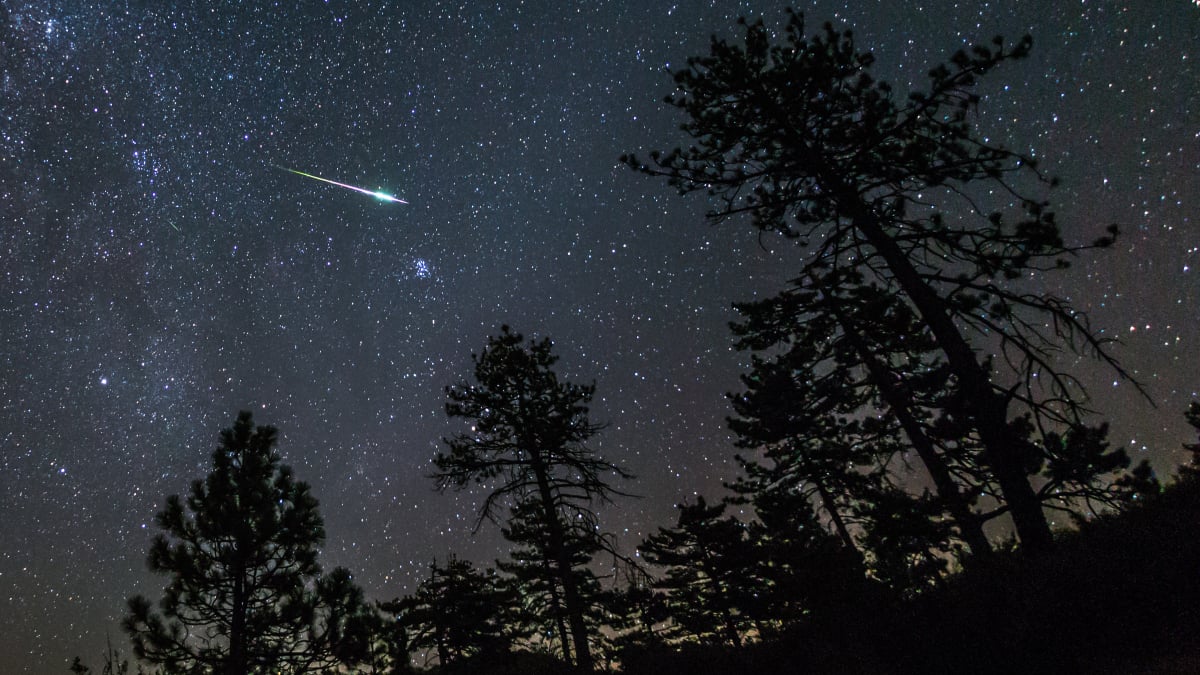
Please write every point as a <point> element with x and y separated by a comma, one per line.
<point>801,136</point>
<point>246,595</point>
<point>527,439</point>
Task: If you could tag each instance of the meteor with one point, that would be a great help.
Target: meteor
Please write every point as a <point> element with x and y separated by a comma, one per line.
<point>381,196</point>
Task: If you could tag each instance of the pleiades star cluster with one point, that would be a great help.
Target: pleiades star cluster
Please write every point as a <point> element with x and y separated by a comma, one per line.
<point>159,271</point>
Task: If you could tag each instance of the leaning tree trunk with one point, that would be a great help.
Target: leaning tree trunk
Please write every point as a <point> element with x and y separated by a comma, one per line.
<point>987,408</point>
<point>970,526</point>
<point>835,516</point>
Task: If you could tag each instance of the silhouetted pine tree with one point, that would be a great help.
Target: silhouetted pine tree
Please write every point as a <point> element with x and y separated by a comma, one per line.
<point>246,594</point>
<point>858,364</point>
<point>458,612</point>
<point>1192,415</point>
<point>1075,458</point>
<point>633,613</point>
<point>711,573</point>
<point>112,663</point>
<point>539,588</point>
<point>910,542</point>
<point>807,442</point>
<point>804,570</point>
<point>799,135</point>
<point>384,646</point>
<point>824,433</point>
<point>527,439</point>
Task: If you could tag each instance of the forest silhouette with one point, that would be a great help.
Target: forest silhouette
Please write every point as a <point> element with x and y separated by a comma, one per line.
<point>907,342</point>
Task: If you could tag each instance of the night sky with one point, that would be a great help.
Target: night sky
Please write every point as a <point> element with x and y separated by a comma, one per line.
<point>158,272</point>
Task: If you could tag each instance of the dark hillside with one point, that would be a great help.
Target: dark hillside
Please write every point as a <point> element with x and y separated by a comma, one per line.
<point>1119,595</point>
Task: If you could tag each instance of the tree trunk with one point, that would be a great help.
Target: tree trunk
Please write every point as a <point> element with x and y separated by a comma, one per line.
<point>988,409</point>
<point>442,650</point>
<point>731,631</point>
<point>583,654</point>
<point>556,602</point>
<point>839,524</point>
<point>237,624</point>
<point>969,524</point>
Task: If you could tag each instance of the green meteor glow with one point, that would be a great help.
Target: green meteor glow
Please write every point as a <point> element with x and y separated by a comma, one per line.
<point>381,196</point>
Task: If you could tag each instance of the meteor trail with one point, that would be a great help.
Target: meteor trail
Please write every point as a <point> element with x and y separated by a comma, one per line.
<point>381,196</point>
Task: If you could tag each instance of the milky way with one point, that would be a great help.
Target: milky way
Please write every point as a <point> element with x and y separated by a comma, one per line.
<point>158,274</point>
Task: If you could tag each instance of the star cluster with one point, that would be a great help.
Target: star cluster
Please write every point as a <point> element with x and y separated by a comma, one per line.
<point>159,273</point>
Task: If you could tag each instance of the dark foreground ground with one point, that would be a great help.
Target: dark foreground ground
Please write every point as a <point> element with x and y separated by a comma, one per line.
<point>1120,595</point>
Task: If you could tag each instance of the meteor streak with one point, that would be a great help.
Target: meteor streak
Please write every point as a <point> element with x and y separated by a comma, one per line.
<point>381,196</point>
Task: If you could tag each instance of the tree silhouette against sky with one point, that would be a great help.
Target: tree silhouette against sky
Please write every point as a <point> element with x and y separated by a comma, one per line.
<point>246,594</point>
<point>902,191</point>
<point>528,440</point>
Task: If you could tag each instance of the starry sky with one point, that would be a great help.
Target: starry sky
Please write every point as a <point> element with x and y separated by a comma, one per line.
<point>159,272</point>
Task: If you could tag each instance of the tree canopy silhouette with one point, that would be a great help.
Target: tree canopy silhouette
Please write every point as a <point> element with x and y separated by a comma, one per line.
<point>865,350</point>
<point>532,568</point>
<point>458,612</point>
<point>1192,415</point>
<point>711,572</point>
<point>799,135</point>
<point>528,440</point>
<point>246,594</point>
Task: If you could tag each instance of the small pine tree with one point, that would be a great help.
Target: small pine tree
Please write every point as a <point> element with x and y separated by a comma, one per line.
<point>112,663</point>
<point>806,572</point>
<point>457,613</point>
<point>633,613</point>
<point>711,577</point>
